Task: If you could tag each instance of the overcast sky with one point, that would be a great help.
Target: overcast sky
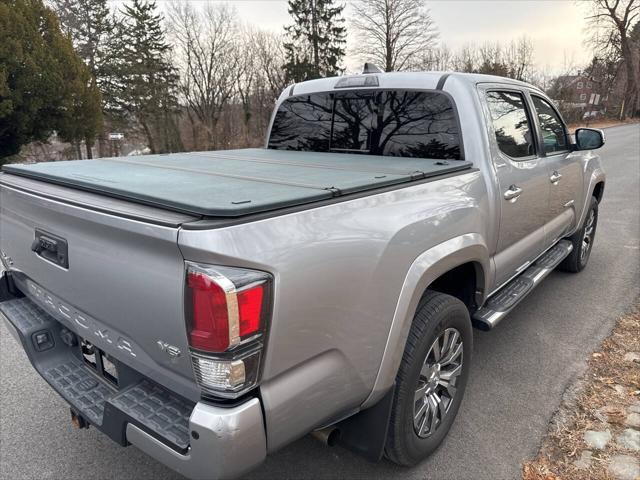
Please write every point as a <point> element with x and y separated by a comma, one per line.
<point>556,27</point>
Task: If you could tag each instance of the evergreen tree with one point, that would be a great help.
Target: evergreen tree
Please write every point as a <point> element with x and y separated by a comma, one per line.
<point>83,121</point>
<point>315,45</point>
<point>44,86</point>
<point>89,25</point>
<point>146,85</point>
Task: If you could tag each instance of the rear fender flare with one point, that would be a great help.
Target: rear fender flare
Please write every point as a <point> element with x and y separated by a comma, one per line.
<point>597,176</point>
<point>424,270</point>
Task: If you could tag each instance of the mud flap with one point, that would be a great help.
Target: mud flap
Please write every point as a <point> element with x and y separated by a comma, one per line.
<point>366,432</point>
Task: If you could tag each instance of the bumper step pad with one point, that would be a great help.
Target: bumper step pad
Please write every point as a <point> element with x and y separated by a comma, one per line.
<point>25,315</point>
<point>156,409</point>
<point>80,388</point>
<point>140,401</point>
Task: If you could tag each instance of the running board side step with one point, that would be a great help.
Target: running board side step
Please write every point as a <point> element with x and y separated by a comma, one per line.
<point>504,300</point>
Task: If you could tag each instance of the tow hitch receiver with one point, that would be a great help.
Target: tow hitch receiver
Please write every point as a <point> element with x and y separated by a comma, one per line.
<point>78,420</point>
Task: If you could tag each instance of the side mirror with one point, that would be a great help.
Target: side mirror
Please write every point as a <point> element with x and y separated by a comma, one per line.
<point>589,139</point>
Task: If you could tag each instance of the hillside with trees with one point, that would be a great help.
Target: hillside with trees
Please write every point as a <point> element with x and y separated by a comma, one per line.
<point>87,78</point>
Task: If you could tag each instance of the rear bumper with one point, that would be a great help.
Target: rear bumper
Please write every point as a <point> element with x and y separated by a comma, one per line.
<point>231,441</point>
<point>200,441</point>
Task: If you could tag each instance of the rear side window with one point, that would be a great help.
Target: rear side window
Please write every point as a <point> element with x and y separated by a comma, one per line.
<point>554,136</point>
<point>375,122</point>
<point>420,125</point>
<point>511,124</point>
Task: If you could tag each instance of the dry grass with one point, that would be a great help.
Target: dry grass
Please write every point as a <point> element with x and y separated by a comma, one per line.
<point>597,402</point>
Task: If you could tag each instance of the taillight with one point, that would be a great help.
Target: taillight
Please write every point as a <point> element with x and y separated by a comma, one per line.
<point>227,311</point>
<point>250,310</point>
<point>210,319</point>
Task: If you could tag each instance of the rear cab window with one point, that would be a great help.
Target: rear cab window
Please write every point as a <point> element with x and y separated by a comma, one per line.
<point>303,123</point>
<point>402,123</point>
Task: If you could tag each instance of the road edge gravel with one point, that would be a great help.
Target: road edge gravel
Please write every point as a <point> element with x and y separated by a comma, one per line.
<point>595,432</point>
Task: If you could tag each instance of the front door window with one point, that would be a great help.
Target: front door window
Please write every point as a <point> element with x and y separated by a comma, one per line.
<point>554,136</point>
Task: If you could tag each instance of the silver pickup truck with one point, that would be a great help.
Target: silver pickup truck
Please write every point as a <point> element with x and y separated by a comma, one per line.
<point>212,307</point>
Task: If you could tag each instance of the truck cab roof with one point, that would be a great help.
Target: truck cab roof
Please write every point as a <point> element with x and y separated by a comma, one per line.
<point>399,80</point>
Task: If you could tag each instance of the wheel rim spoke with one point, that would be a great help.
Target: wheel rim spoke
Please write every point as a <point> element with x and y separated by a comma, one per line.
<point>423,423</point>
<point>449,375</point>
<point>453,340</point>
<point>445,344</point>
<point>435,348</point>
<point>434,408</point>
<point>419,419</point>
<point>442,409</point>
<point>420,393</point>
<point>450,388</point>
<point>453,355</point>
<point>421,410</point>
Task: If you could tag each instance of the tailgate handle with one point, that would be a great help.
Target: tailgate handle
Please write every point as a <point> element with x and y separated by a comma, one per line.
<point>51,247</point>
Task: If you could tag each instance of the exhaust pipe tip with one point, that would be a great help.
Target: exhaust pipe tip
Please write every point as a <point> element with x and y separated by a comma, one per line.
<point>327,436</point>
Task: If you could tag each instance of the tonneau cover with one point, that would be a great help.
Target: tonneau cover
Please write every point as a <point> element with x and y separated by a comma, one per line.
<point>232,183</point>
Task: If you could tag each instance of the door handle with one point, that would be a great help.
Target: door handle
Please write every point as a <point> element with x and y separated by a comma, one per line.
<point>513,193</point>
<point>555,177</point>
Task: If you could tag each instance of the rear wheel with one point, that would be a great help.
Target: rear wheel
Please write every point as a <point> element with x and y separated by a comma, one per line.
<point>582,241</point>
<point>431,379</point>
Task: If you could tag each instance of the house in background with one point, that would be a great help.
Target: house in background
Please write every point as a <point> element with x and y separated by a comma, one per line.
<point>577,89</point>
<point>579,96</point>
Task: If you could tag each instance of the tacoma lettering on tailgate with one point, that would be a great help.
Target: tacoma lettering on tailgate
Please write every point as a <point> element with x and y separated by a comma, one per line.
<point>83,323</point>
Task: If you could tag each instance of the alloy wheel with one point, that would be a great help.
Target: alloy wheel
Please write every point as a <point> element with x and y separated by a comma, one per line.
<point>437,383</point>
<point>587,238</point>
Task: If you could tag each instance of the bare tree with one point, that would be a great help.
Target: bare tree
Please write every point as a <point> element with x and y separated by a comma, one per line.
<point>247,78</point>
<point>518,59</point>
<point>466,60</point>
<point>268,48</point>
<point>613,21</point>
<point>543,77</point>
<point>491,60</point>
<point>261,78</point>
<point>438,59</point>
<point>393,33</point>
<point>210,63</point>
<point>513,60</point>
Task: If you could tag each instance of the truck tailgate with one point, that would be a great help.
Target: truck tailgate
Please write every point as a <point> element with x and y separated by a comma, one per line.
<point>120,285</point>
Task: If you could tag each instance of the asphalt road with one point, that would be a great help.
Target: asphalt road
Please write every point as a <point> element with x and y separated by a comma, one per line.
<point>520,372</point>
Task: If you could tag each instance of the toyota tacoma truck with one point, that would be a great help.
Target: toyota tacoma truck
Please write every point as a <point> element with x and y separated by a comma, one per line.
<point>212,307</point>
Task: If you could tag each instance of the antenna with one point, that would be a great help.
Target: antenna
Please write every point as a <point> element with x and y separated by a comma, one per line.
<point>371,68</point>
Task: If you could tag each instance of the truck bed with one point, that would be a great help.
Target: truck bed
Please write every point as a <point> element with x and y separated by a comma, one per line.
<point>234,183</point>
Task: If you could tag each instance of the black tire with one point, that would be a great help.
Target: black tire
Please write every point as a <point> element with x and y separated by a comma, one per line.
<point>576,261</point>
<point>436,314</point>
